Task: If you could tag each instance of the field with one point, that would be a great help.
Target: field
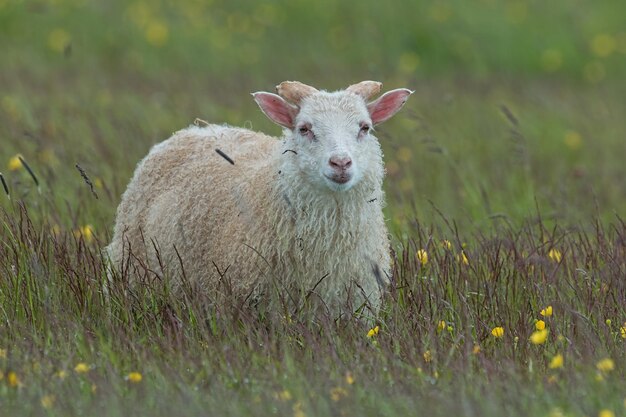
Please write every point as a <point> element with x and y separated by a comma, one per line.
<point>506,201</point>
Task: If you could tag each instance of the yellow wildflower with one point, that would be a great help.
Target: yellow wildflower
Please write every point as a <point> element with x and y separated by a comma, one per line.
<point>373,332</point>
<point>283,395</point>
<point>556,362</point>
<point>441,325</point>
<point>552,379</point>
<point>15,163</point>
<point>540,325</point>
<point>463,258</point>
<point>555,255</point>
<point>338,393</point>
<point>422,256</point>
<point>546,312</point>
<point>134,377</point>
<point>605,365</point>
<point>61,374</point>
<point>622,330</point>
<point>446,244</point>
<point>603,45</point>
<point>87,232</point>
<point>476,349</point>
<point>539,337</point>
<point>58,40</point>
<point>572,139</point>
<point>157,33</point>
<point>297,410</point>
<point>556,412</point>
<point>497,332</point>
<point>81,368</point>
<point>428,356</point>
<point>12,379</point>
<point>606,413</point>
<point>349,378</point>
<point>47,401</point>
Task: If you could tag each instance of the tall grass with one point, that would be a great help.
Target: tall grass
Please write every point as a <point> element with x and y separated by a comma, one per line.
<point>434,340</point>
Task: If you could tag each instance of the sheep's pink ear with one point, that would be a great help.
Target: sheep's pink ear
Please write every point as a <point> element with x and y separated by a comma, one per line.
<point>277,109</point>
<point>388,104</point>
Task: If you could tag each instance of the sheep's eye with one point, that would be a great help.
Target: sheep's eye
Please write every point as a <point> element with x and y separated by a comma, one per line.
<point>304,130</point>
<point>365,128</point>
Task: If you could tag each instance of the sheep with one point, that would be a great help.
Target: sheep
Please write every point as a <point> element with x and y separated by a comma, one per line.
<point>241,214</point>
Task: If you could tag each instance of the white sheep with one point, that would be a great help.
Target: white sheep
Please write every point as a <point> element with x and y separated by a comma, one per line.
<point>252,216</point>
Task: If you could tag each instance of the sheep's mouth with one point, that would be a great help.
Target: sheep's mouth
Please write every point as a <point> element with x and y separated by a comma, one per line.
<point>339,179</point>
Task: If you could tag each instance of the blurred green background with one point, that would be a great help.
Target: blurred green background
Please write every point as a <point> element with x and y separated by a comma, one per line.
<point>519,105</point>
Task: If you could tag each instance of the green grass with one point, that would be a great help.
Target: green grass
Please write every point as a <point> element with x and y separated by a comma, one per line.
<point>512,146</point>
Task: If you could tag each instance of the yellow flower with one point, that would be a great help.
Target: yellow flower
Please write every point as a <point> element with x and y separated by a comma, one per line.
<point>573,140</point>
<point>349,378</point>
<point>297,410</point>
<point>373,332</point>
<point>157,33</point>
<point>87,232</point>
<point>15,163</point>
<point>338,393</point>
<point>622,331</point>
<point>428,356</point>
<point>605,365</point>
<point>497,332</point>
<point>546,312</point>
<point>462,258</point>
<point>476,349</point>
<point>283,395</point>
<point>134,377</point>
<point>603,45</point>
<point>556,362</point>
<point>555,255</point>
<point>539,337</point>
<point>540,325</point>
<point>47,401</point>
<point>13,380</point>
<point>61,374</point>
<point>446,244</point>
<point>58,40</point>
<point>556,412</point>
<point>441,325</point>
<point>81,368</point>
<point>606,413</point>
<point>422,256</point>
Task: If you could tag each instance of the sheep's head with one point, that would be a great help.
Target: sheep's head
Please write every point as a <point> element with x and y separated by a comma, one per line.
<point>331,133</point>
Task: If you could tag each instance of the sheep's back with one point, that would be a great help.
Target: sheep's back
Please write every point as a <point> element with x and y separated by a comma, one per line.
<point>185,197</point>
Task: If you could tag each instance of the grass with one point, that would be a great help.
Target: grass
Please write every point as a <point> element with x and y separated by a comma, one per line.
<point>511,152</point>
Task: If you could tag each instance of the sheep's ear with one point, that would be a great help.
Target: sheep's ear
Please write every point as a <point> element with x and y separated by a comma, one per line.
<point>277,109</point>
<point>388,104</point>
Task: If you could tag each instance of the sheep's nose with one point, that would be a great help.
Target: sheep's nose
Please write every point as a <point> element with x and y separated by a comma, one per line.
<point>340,164</point>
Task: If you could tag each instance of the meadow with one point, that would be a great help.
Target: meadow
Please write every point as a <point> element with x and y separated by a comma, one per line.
<point>506,202</point>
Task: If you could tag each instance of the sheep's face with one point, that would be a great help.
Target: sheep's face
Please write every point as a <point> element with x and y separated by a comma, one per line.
<point>331,144</point>
<point>332,135</point>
